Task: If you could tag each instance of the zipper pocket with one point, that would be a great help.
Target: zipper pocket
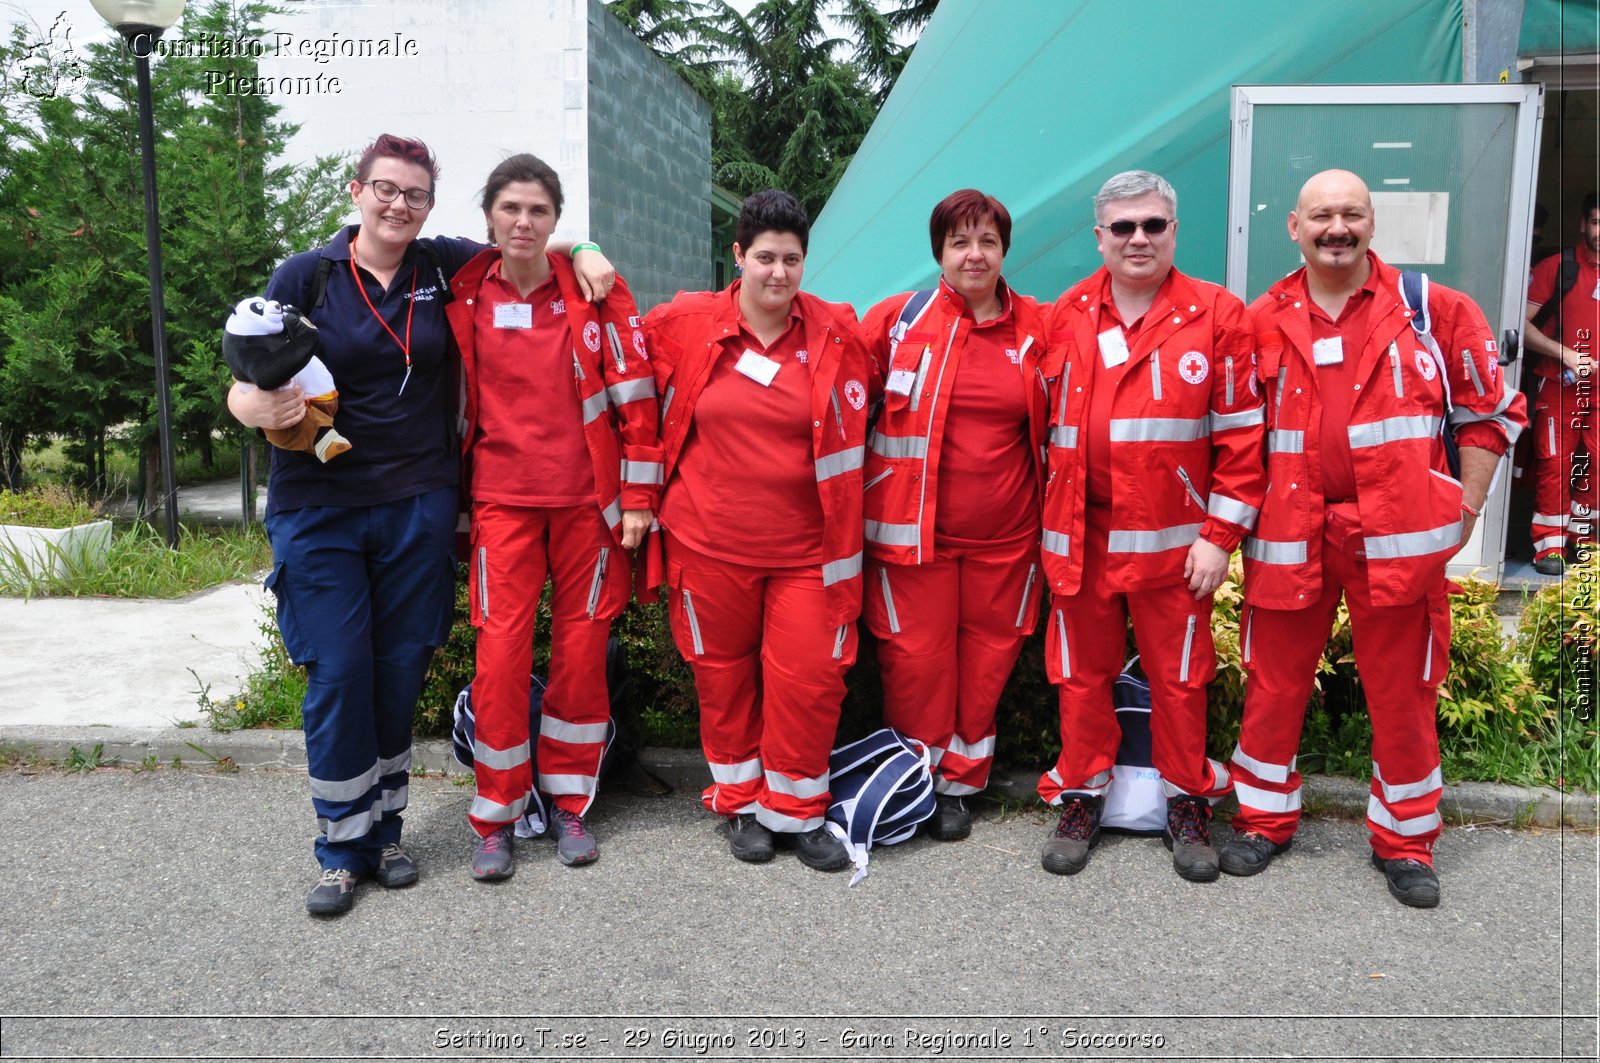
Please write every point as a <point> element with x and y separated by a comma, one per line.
<point>694,625</point>
<point>1277,406</point>
<point>483,581</point>
<point>838,642</point>
<point>888,601</point>
<point>1155,375</point>
<point>1188,644</point>
<point>616,348</point>
<point>1061,640</point>
<point>838,412</point>
<point>921,377</point>
<point>1227,390</point>
<point>666,402</point>
<point>1061,407</point>
<point>599,580</point>
<point>1394,364</point>
<point>1188,485</point>
<point>885,474</point>
<point>1249,631</point>
<point>1027,589</point>
<point>577,366</point>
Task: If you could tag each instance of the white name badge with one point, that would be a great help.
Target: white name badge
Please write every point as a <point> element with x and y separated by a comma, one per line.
<point>1328,352</point>
<point>513,315</point>
<point>757,367</point>
<point>900,381</point>
<point>1113,347</point>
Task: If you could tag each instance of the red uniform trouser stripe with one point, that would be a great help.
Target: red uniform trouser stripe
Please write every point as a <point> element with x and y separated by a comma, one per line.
<point>1402,651</point>
<point>514,548</point>
<point>959,623</point>
<point>1563,505</point>
<point>1173,633</point>
<point>769,674</point>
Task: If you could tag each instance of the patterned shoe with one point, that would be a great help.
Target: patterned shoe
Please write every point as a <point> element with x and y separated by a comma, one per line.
<point>1189,837</point>
<point>1067,851</point>
<point>574,844</point>
<point>396,869</point>
<point>334,893</point>
<point>492,859</point>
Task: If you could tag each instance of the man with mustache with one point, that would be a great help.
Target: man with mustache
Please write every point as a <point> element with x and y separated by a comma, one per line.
<point>1564,421</point>
<point>1360,504</point>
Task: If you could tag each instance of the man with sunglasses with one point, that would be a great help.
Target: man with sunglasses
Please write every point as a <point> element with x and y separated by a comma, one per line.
<point>1360,505</point>
<point>1155,475</point>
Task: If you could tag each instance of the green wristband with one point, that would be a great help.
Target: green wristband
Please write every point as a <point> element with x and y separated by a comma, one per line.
<point>586,247</point>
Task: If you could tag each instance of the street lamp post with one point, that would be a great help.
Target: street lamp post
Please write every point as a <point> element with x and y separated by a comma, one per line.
<point>141,23</point>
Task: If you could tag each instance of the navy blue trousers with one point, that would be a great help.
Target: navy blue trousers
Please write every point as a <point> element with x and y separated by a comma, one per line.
<point>365,594</point>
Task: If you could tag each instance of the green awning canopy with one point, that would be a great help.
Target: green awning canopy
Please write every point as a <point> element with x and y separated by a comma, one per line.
<point>1037,102</point>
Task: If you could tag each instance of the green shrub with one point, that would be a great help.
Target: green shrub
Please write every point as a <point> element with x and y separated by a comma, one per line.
<point>44,506</point>
<point>1556,637</point>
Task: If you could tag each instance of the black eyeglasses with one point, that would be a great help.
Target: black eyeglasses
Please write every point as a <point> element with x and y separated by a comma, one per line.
<point>416,198</point>
<point>1151,226</point>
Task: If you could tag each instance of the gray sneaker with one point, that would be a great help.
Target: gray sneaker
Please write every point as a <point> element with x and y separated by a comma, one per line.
<point>334,893</point>
<point>575,846</point>
<point>1066,851</point>
<point>1189,837</point>
<point>396,869</point>
<point>492,860</point>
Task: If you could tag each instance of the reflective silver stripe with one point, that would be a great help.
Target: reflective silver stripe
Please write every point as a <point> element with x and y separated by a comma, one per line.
<point>922,373</point>
<point>567,784</point>
<point>935,755</point>
<point>779,783</point>
<point>1231,509</point>
<point>782,824</point>
<point>898,446</point>
<point>1061,407</point>
<point>1404,791</point>
<point>1399,379</point>
<point>1253,797</point>
<point>1064,436</point>
<point>1392,429</point>
<point>1188,645</point>
<point>743,771</point>
<point>1219,771</point>
<point>616,347</point>
<point>1550,426</point>
<point>1550,542</point>
<point>1093,786</point>
<point>888,601</point>
<point>842,569</point>
<point>1460,415</point>
<point>1152,542</point>
<point>1414,544</point>
<point>345,790</point>
<point>390,765</point>
<point>501,759</point>
<point>597,583</point>
<point>1472,371</point>
<point>580,734</point>
<point>892,534</point>
<point>1275,551</point>
<point>642,472</point>
<point>666,401</point>
<point>1027,589</point>
<point>1061,640</point>
<point>884,475</point>
<point>1406,828</point>
<point>594,406</point>
<point>1155,376</point>
<point>694,624</point>
<point>626,391</point>
<point>1222,422</point>
<point>1427,659</point>
<point>1227,389</point>
<point>494,812</point>
<point>1283,378</point>
<point>1159,429</point>
<point>350,828</point>
<point>979,750</point>
<point>942,785</point>
<point>612,513</point>
<point>483,581</point>
<point>1260,768</point>
<point>394,800</point>
<point>1054,542</point>
<point>838,641</point>
<point>1284,441</point>
<point>844,461</point>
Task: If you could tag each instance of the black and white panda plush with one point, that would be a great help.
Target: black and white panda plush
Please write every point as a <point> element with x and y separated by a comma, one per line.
<point>266,343</point>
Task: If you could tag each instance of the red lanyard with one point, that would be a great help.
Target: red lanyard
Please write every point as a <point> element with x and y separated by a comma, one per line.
<point>405,348</point>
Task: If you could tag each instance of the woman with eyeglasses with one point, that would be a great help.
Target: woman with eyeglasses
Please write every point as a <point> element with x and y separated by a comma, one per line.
<point>953,485</point>
<point>563,472</point>
<point>363,547</point>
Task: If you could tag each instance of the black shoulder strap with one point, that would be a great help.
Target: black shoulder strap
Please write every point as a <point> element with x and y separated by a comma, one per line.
<point>1566,278</point>
<point>319,285</point>
<point>430,267</point>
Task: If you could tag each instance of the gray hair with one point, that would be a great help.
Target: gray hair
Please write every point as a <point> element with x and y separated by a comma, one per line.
<point>1130,184</point>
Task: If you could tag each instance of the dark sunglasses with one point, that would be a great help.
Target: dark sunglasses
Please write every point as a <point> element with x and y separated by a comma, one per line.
<point>1151,226</point>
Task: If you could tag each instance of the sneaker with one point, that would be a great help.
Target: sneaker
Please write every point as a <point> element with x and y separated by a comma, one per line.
<point>574,844</point>
<point>1411,881</point>
<point>819,850</point>
<point>1249,853</point>
<point>491,860</point>
<point>396,869</point>
<point>1550,565</point>
<point>1188,835</point>
<point>1067,851</point>
<point>334,893</point>
<point>951,821</point>
<point>749,840</point>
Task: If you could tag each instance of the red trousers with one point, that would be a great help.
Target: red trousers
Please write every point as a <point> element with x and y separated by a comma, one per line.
<point>949,631</point>
<point>1564,451</point>
<point>513,547</point>
<point>1084,655</point>
<point>1402,653</point>
<point>769,673</point>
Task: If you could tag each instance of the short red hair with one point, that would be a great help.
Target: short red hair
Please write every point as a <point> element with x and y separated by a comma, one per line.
<point>389,146</point>
<point>967,205</point>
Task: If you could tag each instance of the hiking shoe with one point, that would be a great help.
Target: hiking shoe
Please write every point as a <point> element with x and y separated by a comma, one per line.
<point>749,840</point>
<point>1411,881</point>
<point>396,869</point>
<point>1067,851</point>
<point>491,860</point>
<point>1249,853</point>
<point>951,821</point>
<point>819,850</point>
<point>574,844</point>
<point>1550,564</point>
<point>334,893</point>
<point>1189,837</point>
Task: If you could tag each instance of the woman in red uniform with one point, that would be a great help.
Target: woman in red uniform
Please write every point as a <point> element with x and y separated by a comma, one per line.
<point>763,409</point>
<point>563,471</point>
<point>953,489</point>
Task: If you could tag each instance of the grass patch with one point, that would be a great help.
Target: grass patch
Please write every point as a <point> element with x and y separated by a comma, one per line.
<point>45,506</point>
<point>272,694</point>
<point>140,565</point>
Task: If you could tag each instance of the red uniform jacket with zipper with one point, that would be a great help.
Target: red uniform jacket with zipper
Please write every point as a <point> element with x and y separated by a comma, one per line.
<point>1185,440</point>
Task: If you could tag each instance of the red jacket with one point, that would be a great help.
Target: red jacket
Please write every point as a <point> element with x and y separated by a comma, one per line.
<point>611,373</point>
<point>1186,434</point>
<point>902,468</point>
<point>689,334</point>
<point>1409,505</point>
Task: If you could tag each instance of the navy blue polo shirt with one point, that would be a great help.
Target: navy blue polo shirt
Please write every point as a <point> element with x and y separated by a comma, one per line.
<point>403,443</point>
